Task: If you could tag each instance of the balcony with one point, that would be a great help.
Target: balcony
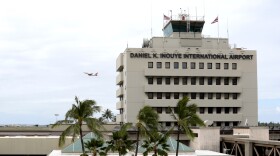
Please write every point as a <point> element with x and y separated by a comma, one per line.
<point>222,117</point>
<point>119,79</point>
<point>119,105</point>
<point>119,92</point>
<point>119,63</point>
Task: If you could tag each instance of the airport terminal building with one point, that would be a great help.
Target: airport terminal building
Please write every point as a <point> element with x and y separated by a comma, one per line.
<point>220,79</point>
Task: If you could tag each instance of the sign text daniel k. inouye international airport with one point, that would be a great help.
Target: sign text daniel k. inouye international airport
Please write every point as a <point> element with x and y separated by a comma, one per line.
<point>191,56</point>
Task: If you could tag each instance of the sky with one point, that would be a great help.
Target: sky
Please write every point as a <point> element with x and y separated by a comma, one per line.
<point>47,45</point>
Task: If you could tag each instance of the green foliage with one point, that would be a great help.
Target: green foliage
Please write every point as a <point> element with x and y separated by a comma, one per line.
<point>96,146</point>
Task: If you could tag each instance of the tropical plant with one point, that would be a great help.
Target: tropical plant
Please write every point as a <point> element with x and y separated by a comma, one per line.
<point>157,143</point>
<point>108,115</point>
<point>81,112</point>
<point>147,120</point>
<point>120,141</point>
<point>96,146</point>
<point>185,116</point>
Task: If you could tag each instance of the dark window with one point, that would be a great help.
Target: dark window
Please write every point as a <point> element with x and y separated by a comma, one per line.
<point>218,95</point>
<point>234,110</point>
<point>184,65</point>
<point>185,80</point>
<point>150,80</point>
<point>150,64</point>
<point>219,123</point>
<point>226,95</point>
<point>192,65</point>
<point>193,80</point>
<point>168,124</point>
<point>218,110</point>
<point>218,66</point>
<point>167,65</point>
<point>176,65</point>
<point>159,81</point>
<point>121,111</point>
<point>201,110</point>
<point>234,96</point>
<point>193,95</point>
<point>210,95</point>
<point>176,95</point>
<point>210,81</point>
<point>209,65</point>
<point>158,64</point>
<point>235,123</point>
<point>201,96</point>
<point>159,95</point>
<point>234,81</point>
<point>226,123</point>
<point>218,81</point>
<point>176,81</point>
<point>226,81</point>
<point>225,65</point>
<point>210,110</point>
<point>150,95</point>
<point>167,110</point>
<point>167,95</point>
<point>167,81</point>
<point>234,66</point>
<point>201,81</point>
<point>185,94</point>
<point>201,65</point>
<point>226,110</point>
<point>159,110</point>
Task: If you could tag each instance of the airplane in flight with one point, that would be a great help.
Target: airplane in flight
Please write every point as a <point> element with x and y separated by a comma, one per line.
<point>91,74</point>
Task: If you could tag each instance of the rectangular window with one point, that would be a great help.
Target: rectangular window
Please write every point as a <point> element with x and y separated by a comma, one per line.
<point>193,81</point>
<point>234,96</point>
<point>209,65</point>
<point>219,123</point>
<point>234,81</point>
<point>226,123</point>
<point>201,65</point>
<point>218,110</point>
<point>234,66</point>
<point>201,81</point>
<point>176,95</point>
<point>185,94</point>
<point>201,110</point>
<point>159,95</point>
<point>159,81</point>
<point>210,110</point>
<point>226,110</point>
<point>192,65</point>
<point>167,81</point>
<point>226,81</point>
<point>210,95</point>
<point>193,95</point>
<point>167,110</point>
<point>168,124</point>
<point>184,65</point>
<point>176,65</point>
<point>218,81</point>
<point>185,80</point>
<point>226,95</point>
<point>150,64</point>
<point>150,95</point>
<point>167,95</point>
<point>210,81</point>
<point>218,66</point>
<point>150,80</point>
<point>201,96</point>
<point>234,110</point>
<point>176,81</point>
<point>225,65</point>
<point>235,123</point>
<point>218,95</point>
<point>159,110</point>
<point>167,65</point>
<point>158,65</point>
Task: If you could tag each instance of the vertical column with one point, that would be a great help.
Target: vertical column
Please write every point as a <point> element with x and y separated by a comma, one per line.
<point>248,148</point>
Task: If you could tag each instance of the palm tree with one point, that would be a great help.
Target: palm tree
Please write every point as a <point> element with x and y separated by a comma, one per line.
<point>157,143</point>
<point>81,112</point>
<point>96,146</point>
<point>185,115</point>
<point>108,114</point>
<point>120,141</point>
<point>147,119</point>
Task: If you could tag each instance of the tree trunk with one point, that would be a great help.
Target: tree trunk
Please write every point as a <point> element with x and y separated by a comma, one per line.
<point>178,138</point>
<point>155,151</point>
<point>137,142</point>
<point>82,141</point>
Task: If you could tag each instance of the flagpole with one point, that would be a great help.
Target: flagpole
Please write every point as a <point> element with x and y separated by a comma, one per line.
<point>218,32</point>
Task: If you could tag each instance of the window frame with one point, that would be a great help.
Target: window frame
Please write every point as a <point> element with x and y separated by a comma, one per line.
<point>150,65</point>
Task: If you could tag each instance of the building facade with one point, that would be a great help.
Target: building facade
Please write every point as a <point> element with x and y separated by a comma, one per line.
<point>221,80</point>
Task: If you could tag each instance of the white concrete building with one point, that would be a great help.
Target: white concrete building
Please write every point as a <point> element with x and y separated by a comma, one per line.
<point>221,80</point>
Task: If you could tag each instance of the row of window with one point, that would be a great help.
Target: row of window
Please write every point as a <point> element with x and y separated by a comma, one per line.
<point>202,110</point>
<point>217,123</point>
<point>201,65</point>
<point>193,80</point>
<point>167,95</point>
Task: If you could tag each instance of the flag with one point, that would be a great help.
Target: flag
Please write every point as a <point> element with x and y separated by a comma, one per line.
<point>215,20</point>
<point>166,17</point>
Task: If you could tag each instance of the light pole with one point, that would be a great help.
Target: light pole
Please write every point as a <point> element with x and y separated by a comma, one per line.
<point>56,115</point>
